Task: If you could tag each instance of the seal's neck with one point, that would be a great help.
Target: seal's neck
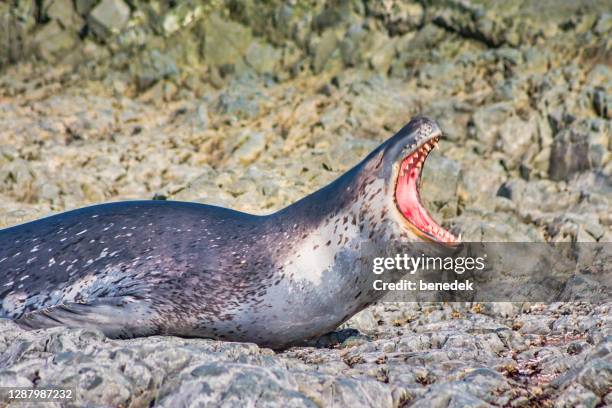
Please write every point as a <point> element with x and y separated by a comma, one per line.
<point>337,197</point>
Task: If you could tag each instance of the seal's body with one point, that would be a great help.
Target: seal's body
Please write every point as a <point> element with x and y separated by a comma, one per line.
<point>163,267</point>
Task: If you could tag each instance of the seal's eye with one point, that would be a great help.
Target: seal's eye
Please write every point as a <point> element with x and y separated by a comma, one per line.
<point>408,199</point>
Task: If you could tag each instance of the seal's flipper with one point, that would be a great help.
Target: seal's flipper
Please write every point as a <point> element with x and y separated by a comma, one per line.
<point>116,317</point>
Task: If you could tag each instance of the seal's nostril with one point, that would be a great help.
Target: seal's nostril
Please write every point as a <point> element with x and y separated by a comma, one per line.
<point>427,127</point>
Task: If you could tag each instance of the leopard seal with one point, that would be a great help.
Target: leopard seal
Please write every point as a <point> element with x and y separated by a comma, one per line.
<point>140,268</point>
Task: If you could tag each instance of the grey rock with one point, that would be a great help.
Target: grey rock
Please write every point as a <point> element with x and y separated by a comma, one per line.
<point>577,396</point>
<point>536,59</point>
<point>355,341</point>
<point>572,323</point>
<point>398,17</point>
<point>225,42</point>
<point>607,400</point>
<point>599,75</point>
<point>505,309</point>
<point>597,376</point>
<point>152,67</point>
<point>17,175</point>
<point>263,58</point>
<point>363,321</point>
<point>453,118</point>
<point>570,223</point>
<point>179,17</point>
<point>478,225</point>
<point>516,136</point>
<point>577,347</point>
<point>383,56</point>
<point>450,396</point>
<point>18,20</point>
<point>473,20</point>
<point>247,147</point>
<point>227,384</point>
<point>489,343</point>
<point>602,102</point>
<point>478,185</point>
<point>604,23</point>
<point>581,147</point>
<point>83,7</point>
<point>53,42</point>
<point>446,73</point>
<point>64,12</point>
<point>108,17</point>
<point>488,120</point>
<point>439,184</point>
<point>322,49</point>
<point>240,99</point>
<point>372,393</point>
<point>378,103</point>
<point>352,46</point>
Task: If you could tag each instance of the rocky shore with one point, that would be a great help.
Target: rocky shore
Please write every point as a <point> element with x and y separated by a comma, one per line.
<point>253,106</point>
<point>428,355</point>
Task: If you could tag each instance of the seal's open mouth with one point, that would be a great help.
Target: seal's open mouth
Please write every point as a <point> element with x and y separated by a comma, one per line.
<point>409,201</point>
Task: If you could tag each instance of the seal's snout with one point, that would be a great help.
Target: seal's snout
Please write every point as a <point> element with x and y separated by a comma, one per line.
<point>413,135</point>
<point>423,127</point>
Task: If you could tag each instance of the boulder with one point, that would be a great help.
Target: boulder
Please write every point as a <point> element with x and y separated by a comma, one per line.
<point>108,18</point>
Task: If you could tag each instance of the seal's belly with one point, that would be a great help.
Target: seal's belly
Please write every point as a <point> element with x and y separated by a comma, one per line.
<point>299,308</point>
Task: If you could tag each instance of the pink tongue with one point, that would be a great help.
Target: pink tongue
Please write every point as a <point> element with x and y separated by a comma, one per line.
<point>408,200</point>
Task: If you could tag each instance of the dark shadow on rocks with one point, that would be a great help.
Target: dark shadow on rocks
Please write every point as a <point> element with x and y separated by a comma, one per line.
<point>332,339</point>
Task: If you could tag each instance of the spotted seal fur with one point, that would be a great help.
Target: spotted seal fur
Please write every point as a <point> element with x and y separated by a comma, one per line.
<point>141,268</point>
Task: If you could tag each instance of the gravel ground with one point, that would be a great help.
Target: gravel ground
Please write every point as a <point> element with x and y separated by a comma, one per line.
<point>524,98</point>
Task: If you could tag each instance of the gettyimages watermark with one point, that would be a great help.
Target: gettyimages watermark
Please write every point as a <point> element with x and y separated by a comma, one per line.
<point>414,264</point>
<point>496,272</point>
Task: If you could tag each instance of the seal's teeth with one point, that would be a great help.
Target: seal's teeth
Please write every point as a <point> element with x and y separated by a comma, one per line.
<point>418,165</point>
<point>428,147</point>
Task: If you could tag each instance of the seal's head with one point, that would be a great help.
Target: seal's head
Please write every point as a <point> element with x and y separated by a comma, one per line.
<point>403,157</point>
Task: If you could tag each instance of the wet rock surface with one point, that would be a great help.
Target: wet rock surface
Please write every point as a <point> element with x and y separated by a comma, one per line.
<point>254,106</point>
